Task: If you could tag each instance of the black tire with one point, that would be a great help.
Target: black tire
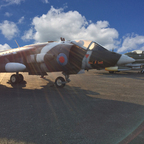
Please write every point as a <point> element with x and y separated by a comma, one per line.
<point>14,79</point>
<point>60,82</point>
<point>20,78</point>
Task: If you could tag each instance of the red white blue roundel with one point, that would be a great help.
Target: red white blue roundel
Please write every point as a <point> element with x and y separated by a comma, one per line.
<point>62,59</point>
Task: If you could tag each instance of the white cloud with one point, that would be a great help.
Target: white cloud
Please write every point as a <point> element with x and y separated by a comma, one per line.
<point>14,1</point>
<point>132,42</point>
<point>11,2</point>
<point>8,14</point>
<point>28,35</point>
<point>21,20</point>
<point>4,47</point>
<point>45,1</point>
<point>70,25</point>
<point>9,29</point>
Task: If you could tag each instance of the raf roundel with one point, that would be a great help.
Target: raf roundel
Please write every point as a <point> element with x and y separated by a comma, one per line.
<point>62,59</point>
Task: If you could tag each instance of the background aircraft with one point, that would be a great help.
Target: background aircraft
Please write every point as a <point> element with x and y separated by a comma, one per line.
<point>138,55</point>
<point>68,57</point>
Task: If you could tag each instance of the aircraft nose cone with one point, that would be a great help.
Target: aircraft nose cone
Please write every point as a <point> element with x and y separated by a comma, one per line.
<point>124,59</point>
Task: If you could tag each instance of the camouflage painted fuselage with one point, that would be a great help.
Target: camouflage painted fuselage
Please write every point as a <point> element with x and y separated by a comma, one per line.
<point>68,56</point>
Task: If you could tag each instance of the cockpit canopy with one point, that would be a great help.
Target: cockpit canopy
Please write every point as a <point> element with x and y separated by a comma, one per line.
<point>87,44</point>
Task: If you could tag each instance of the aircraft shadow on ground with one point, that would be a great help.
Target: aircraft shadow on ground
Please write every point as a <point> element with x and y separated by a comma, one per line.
<point>21,84</point>
<point>51,86</point>
<point>68,115</point>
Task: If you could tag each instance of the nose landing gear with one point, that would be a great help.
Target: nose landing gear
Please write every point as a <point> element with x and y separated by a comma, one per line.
<point>60,82</point>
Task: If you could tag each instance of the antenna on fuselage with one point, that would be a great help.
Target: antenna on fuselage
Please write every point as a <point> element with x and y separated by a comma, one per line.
<point>17,43</point>
<point>62,39</point>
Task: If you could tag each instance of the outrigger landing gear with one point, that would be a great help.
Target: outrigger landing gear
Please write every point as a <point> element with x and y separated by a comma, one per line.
<point>60,81</point>
<point>16,78</point>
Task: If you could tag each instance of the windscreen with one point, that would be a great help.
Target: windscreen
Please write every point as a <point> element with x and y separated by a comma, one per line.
<point>96,47</point>
<point>82,43</point>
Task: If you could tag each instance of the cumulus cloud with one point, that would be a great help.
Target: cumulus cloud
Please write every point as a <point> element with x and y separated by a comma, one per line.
<point>70,25</point>
<point>9,29</point>
<point>28,35</point>
<point>4,47</point>
<point>132,42</point>
<point>11,2</point>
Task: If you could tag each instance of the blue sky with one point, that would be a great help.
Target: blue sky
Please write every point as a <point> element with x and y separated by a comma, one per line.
<point>117,24</point>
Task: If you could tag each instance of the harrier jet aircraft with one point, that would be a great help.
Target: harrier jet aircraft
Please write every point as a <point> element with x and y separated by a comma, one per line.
<point>68,57</point>
<point>138,55</point>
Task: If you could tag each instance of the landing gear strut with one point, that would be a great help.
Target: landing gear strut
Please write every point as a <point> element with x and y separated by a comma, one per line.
<point>16,78</point>
<point>60,81</point>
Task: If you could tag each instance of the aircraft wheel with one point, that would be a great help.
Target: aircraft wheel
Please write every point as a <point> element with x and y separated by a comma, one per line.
<point>20,77</point>
<point>60,82</point>
<point>14,79</point>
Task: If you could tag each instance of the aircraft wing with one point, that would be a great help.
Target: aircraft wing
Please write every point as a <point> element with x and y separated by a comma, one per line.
<point>29,49</point>
<point>14,60</point>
